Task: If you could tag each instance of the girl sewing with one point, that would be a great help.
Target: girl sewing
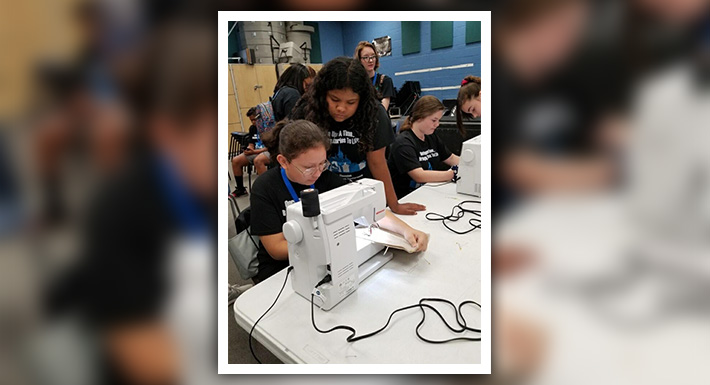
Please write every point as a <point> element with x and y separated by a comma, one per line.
<point>417,155</point>
<point>300,148</point>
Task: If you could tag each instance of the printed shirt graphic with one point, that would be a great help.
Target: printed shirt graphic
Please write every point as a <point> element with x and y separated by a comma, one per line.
<point>345,157</point>
<point>254,137</point>
<point>351,163</point>
<point>409,153</point>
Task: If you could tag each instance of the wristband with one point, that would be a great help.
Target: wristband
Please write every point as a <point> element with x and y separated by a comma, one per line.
<point>456,173</point>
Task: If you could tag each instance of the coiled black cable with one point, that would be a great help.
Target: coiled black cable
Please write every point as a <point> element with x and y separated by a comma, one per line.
<point>458,212</point>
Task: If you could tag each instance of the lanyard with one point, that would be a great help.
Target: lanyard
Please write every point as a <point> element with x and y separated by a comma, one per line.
<point>375,79</point>
<point>289,186</point>
<point>182,204</point>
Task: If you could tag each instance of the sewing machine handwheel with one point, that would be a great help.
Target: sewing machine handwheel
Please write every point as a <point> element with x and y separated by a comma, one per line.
<point>292,232</point>
<point>467,156</point>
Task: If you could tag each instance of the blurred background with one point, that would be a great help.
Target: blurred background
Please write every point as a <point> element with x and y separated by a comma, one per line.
<point>601,201</point>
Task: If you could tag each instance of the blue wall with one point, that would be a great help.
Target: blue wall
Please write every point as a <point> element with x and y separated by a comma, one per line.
<point>331,39</point>
<point>352,32</point>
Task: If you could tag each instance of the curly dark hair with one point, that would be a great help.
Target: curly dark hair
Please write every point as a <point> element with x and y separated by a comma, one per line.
<point>339,73</point>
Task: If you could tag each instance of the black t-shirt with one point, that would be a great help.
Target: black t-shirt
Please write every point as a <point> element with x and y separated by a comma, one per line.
<point>122,274</point>
<point>269,197</point>
<point>409,153</point>
<point>286,97</point>
<point>254,137</point>
<point>383,85</point>
<point>556,117</point>
<point>344,155</point>
<point>127,231</point>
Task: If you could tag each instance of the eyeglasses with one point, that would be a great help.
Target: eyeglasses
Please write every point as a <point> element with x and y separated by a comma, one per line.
<point>368,58</point>
<point>309,172</point>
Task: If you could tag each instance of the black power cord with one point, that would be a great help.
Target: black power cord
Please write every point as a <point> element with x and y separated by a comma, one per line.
<point>458,212</point>
<point>460,320</point>
<point>267,310</point>
<point>463,327</point>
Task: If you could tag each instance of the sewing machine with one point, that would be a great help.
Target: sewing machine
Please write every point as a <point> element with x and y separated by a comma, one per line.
<point>470,168</point>
<point>322,240</point>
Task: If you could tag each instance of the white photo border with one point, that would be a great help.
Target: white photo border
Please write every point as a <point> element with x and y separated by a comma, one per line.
<point>484,367</point>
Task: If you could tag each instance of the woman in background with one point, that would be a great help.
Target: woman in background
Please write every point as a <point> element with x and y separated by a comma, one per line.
<point>417,155</point>
<point>369,58</point>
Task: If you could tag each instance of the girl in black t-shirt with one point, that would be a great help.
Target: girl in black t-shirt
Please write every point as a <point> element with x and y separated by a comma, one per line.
<point>292,83</point>
<point>342,102</point>
<point>418,156</point>
<point>300,148</point>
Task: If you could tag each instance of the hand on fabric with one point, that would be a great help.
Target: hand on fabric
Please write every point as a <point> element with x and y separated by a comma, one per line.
<point>418,239</point>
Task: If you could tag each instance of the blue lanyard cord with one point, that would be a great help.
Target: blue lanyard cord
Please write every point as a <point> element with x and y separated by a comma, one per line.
<point>182,204</point>
<point>289,186</point>
<point>375,79</point>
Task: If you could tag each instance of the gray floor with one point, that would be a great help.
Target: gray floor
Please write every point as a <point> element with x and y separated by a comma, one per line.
<point>239,352</point>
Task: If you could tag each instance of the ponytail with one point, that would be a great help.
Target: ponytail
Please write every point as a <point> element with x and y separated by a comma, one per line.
<point>271,138</point>
<point>407,124</point>
<point>471,79</point>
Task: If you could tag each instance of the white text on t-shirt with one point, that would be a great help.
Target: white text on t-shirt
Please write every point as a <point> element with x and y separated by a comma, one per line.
<point>427,154</point>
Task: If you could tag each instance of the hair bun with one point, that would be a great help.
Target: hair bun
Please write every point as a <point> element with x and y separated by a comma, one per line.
<point>471,79</point>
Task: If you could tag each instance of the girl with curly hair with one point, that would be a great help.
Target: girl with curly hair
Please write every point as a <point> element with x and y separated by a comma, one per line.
<point>342,102</point>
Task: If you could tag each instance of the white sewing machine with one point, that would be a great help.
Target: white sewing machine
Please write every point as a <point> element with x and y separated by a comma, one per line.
<point>470,168</point>
<point>326,243</point>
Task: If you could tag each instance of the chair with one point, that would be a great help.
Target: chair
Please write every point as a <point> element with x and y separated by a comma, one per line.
<point>232,183</point>
<point>240,141</point>
<point>236,143</point>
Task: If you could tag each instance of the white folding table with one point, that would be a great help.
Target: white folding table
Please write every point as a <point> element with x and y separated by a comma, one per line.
<point>449,269</point>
